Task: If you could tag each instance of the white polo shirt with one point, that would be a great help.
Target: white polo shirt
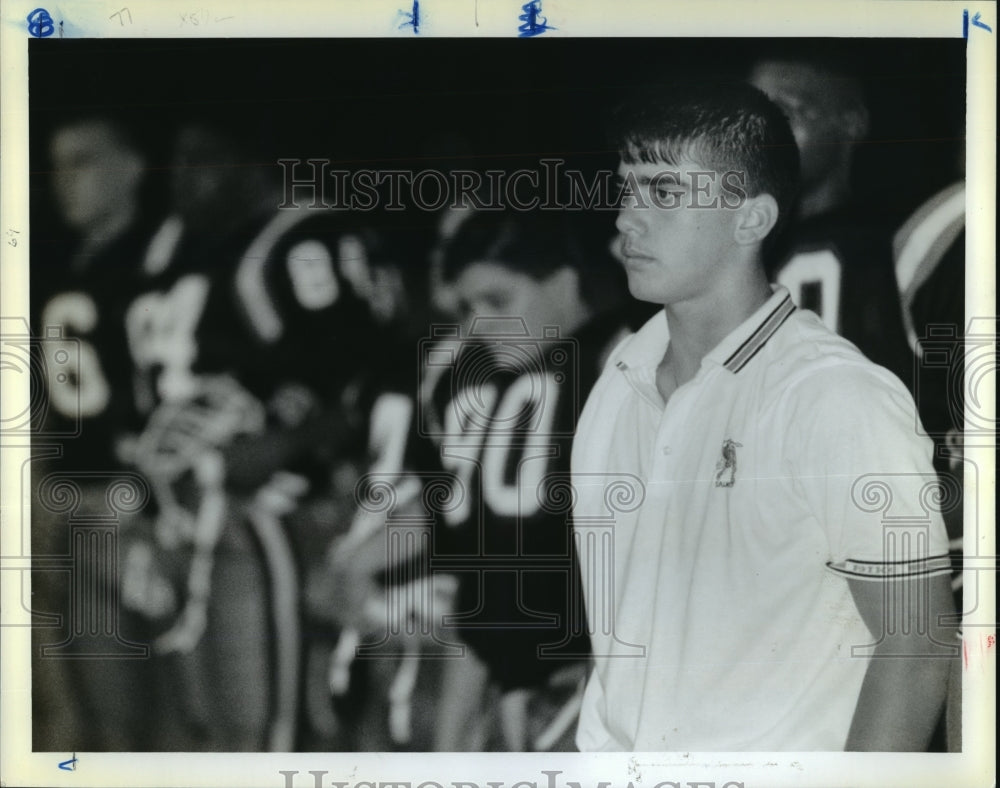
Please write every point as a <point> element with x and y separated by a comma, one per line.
<point>769,479</point>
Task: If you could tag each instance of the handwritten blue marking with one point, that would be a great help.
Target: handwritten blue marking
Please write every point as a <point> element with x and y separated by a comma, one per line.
<point>412,18</point>
<point>534,23</point>
<point>70,765</point>
<point>975,23</point>
<point>40,23</point>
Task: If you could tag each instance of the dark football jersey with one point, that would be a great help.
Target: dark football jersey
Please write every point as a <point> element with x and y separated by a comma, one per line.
<point>172,333</point>
<point>839,265</point>
<point>272,304</point>
<point>82,399</point>
<point>186,350</point>
<point>302,293</point>
<point>508,414</point>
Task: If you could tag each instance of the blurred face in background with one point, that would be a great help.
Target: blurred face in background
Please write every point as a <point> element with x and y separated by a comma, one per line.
<point>487,291</point>
<point>825,111</point>
<point>213,182</point>
<point>96,175</point>
<point>201,173</point>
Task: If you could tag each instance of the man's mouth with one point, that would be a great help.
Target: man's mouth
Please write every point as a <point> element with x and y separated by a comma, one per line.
<point>633,253</point>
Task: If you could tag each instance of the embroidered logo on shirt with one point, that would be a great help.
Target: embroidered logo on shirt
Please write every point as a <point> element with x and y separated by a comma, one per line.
<point>725,469</point>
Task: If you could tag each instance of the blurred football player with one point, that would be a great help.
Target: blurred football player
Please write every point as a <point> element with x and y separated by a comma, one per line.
<point>240,345</point>
<point>180,566</point>
<point>330,303</point>
<point>98,174</point>
<point>500,414</point>
<point>383,702</point>
<point>833,259</point>
<point>79,292</point>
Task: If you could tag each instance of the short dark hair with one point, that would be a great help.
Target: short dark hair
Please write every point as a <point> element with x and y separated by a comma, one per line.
<point>536,243</point>
<point>724,126</point>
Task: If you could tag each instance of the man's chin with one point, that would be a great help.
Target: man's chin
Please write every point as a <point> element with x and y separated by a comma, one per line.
<point>642,292</point>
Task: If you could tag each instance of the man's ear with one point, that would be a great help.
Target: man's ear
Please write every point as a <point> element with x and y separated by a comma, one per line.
<point>756,218</point>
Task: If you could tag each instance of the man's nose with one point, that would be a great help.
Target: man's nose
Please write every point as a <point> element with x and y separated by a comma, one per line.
<point>628,221</point>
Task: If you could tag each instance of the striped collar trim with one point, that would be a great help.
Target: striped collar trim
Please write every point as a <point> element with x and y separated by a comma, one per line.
<point>733,353</point>
<point>753,344</point>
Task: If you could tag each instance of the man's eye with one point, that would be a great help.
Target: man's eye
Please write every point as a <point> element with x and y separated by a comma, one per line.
<point>668,194</point>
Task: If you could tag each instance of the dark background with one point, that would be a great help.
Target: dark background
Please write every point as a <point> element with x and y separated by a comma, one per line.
<point>391,103</point>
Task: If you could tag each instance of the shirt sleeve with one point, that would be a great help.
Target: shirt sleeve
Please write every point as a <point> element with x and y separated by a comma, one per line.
<point>860,461</point>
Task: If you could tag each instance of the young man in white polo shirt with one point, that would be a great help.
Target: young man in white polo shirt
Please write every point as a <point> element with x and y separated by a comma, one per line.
<point>786,495</point>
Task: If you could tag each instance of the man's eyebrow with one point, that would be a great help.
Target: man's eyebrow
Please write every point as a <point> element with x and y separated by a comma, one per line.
<point>665,178</point>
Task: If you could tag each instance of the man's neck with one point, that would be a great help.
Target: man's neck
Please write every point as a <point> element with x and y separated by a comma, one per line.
<point>697,326</point>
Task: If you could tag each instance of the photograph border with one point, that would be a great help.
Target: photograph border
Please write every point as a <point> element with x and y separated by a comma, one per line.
<point>431,19</point>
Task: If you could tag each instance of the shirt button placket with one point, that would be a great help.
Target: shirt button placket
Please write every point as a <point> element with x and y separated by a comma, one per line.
<point>675,416</point>
<point>662,450</point>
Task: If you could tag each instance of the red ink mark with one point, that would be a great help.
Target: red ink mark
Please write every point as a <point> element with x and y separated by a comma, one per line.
<point>965,654</point>
<point>991,641</point>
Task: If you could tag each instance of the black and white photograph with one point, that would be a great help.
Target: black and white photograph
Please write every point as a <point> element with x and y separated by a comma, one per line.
<point>616,400</point>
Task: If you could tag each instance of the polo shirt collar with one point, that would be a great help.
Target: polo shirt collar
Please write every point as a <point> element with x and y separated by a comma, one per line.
<point>732,353</point>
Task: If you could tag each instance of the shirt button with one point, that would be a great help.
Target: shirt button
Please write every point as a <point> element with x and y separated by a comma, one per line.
<point>666,450</point>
